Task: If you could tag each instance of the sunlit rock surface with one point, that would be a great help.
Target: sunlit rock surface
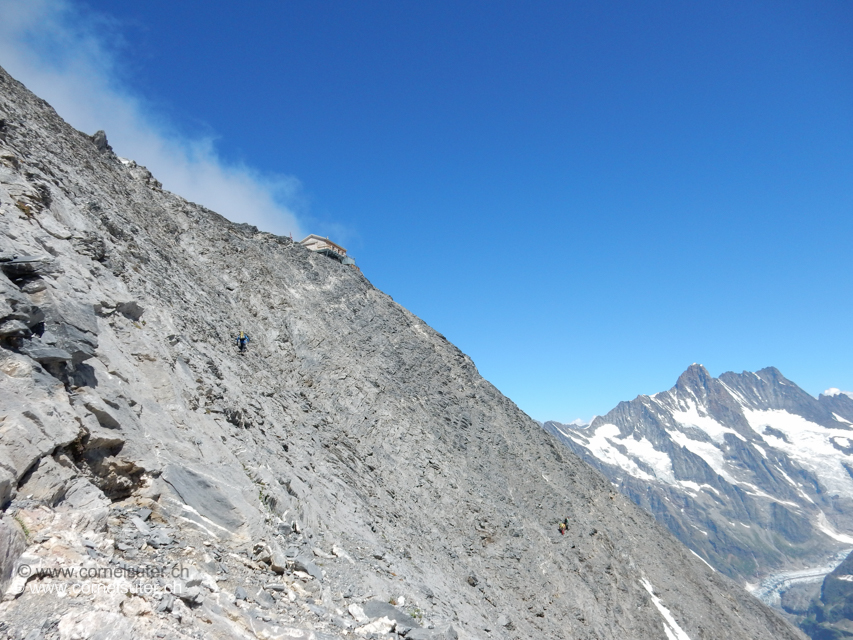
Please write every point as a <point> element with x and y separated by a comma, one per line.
<point>352,474</point>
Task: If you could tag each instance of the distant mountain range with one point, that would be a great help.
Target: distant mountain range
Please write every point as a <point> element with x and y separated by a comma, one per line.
<point>751,472</point>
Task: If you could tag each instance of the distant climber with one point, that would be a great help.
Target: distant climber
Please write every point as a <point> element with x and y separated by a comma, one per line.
<point>243,341</point>
<point>562,528</point>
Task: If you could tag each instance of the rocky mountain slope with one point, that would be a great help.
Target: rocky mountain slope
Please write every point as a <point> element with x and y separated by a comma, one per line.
<point>352,475</point>
<point>748,470</point>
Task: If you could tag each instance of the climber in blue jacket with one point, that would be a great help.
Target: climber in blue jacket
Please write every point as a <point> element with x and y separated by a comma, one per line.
<point>243,341</point>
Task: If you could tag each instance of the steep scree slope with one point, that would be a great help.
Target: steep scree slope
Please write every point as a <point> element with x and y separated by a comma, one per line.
<point>352,457</point>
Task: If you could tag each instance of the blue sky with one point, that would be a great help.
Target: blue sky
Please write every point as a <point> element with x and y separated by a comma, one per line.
<point>584,197</point>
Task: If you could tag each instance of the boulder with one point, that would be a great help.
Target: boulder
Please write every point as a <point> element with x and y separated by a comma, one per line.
<point>304,563</point>
<point>159,539</point>
<point>43,353</point>
<point>23,266</point>
<point>36,418</point>
<point>166,603</point>
<point>95,625</point>
<point>47,481</point>
<point>380,626</point>
<point>21,447</point>
<point>357,613</point>
<point>91,245</point>
<point>80,344</point>
<point>14,329</point>
<point>133,606</point>
<point>130,310</point>
<point>24,311</point>
<point>8,482</point>
<point>191,595</point>
<point>140,525</point>
<point>68,325</point>
<point>263,599</point>
<point>108,416</point>
<point>378,609</point>
<point>34,286</point>
<point>84,507</point>
<point>278,561</point>
<point>341,553</point>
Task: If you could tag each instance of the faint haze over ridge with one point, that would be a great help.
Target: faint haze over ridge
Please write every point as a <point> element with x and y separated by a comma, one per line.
<point>834,392</point>
<point>67,55</point>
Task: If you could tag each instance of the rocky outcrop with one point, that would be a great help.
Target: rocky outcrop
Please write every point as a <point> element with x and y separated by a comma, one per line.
<point>351,458</point>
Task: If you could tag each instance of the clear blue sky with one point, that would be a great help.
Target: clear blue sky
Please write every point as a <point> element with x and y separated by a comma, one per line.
<point>584,197</point>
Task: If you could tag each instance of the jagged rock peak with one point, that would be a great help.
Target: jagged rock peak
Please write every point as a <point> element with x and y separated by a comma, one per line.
<point>750,471</point>
<point>100,140</point>
<point>695,379</point>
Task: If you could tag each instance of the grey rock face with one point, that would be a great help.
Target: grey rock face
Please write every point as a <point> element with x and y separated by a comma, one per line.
<point>21,267</point>
<point>46,481</point>
<point>349,425</point>
<point>12,545</point>
<point>100,140</point>
<point>748,470</point>
<point>205,495</point>
<point>43,353</point>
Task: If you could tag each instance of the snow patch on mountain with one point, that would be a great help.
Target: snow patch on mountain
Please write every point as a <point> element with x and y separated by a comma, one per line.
<point>691,418</point>
<point>711,454</point>
<point>823,524</point>
<point>703,560</point>
<point>813,446</point>
<point>601,445</point>
<point>810,444</point>
<point>671,628</point>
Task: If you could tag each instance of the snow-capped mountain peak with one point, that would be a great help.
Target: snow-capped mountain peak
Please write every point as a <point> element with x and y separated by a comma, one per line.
<point>748,469</point>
